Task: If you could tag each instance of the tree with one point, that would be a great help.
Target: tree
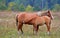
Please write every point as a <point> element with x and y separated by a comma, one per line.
<point>21,7</point>
<point>2,5</point>
<point>56,7</point>
<point>10,5</point>
<point>29,8</point>
<point>36,9</point>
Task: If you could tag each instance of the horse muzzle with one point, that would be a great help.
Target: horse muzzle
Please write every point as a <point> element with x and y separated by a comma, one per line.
<point>52,18</point>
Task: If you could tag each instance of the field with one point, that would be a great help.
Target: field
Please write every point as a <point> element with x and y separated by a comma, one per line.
<point>8,27</point>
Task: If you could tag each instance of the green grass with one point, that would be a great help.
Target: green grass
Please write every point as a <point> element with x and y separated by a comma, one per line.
<point>12,33</point>
<point>8,28</point>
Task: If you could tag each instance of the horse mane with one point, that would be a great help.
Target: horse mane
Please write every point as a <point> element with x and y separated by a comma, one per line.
<point>43,13</point>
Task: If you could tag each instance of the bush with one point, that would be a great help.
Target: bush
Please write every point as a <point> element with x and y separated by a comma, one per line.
<point>29,8</point>
<point>56,7</point>
<point>36,9</point>
<point>21,7</point>
<point>3,7</point>
<point>10,5</point>
<point>15,8</point>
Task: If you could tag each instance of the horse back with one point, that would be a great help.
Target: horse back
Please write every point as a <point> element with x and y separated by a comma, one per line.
<point>26,17</point>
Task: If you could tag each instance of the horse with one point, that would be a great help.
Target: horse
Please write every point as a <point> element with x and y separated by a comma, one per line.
<point>35,20</point>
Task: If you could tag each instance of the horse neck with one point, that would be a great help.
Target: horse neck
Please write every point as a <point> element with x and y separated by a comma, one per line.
<point>50,15</point>
<point>41,13</point>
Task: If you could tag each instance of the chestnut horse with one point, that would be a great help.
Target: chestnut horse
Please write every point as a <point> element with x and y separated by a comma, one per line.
<point>34,19</point>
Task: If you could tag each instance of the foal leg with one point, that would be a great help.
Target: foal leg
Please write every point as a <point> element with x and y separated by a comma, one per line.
<point>35,29</point>
<point>48,29</point>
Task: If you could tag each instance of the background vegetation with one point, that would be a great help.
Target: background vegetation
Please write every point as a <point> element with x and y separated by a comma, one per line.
<point>30,5</point>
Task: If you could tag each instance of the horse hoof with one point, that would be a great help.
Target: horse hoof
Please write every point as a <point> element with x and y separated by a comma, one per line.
<point>48,33</point>
<point>35,34</point>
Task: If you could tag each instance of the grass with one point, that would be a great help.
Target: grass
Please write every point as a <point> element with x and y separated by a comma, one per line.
<point>8,28</point>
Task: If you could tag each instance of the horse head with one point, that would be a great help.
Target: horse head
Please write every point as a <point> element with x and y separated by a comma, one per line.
<point>45,13</point>
<point>49,14</point>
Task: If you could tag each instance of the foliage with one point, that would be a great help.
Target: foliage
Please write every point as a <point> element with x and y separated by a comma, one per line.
<point>36,9</point>
<point>37,4</point>
<point>29,8</point>
<point>3,7</point>
<point>21,7</point>
<point>56,7</point>
<point>15,8</point>
<point>0,0</point>
<point>10,5</point>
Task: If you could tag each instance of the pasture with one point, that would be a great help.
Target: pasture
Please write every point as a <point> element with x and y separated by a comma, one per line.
<point>8,27</point>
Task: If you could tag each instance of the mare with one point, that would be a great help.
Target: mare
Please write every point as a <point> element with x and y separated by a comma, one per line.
<point>35,20</point>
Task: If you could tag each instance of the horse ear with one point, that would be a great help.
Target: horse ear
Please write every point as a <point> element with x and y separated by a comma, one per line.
<point>48,11</point>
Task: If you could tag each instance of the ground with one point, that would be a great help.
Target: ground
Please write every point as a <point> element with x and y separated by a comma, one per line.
<point>8,28</point>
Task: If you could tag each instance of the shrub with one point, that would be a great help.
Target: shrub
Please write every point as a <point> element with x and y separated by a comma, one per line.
<point>21,7</point>
<point>3,7</point>
<point>56,7</point>
<point>29,8</point>
<point>10,5</point>
<point>36,9</point>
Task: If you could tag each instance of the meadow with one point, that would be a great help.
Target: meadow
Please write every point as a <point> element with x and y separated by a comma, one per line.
<point>8,28</point>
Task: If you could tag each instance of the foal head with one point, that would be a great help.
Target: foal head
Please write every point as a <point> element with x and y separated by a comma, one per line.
<point>49,14</point>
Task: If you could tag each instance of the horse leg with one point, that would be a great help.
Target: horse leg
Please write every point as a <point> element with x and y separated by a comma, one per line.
<point>20,28</point>
<point>48,28</point>
<point>35,29</point>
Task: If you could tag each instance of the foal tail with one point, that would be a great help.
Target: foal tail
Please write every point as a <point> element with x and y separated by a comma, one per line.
<point>16,20</point>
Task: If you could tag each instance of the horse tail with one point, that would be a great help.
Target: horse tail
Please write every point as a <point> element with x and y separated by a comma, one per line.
<point>16,20</point>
